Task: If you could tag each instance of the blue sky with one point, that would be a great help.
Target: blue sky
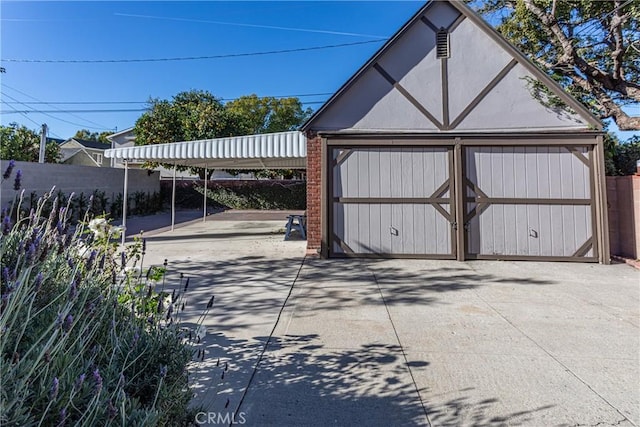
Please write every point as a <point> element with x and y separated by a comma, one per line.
<point>142,30</point>
<point>127,30</point>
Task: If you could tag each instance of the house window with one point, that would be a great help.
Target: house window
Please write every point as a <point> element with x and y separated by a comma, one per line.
<point>98,158</point>
<point>442,44</point>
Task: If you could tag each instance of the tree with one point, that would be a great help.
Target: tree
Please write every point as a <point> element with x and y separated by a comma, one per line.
<point>590,47</point>
<point>269,114</point>
<point>188,116</point>
<point>87,135</point>
<point>23,144</point>
<point>198,114</point>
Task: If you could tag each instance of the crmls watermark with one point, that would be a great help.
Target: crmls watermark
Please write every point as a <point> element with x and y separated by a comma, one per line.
<point>221,418</point>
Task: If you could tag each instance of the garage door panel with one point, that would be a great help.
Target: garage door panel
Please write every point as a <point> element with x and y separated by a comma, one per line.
<point>401,229</point>
<point>383,201</point>
<point>528,230</point>
<point>528,172</point>
<point>528,201</point>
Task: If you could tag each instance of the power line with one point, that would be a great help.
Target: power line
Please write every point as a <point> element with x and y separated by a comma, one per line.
<point>144,102</point>
<point>188,58</point>
<point>100,126</point>
<point>115,110</point>
<point>24,112</point>
<point>33,121</point>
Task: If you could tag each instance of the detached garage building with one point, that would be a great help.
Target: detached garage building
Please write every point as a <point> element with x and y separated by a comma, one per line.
<point>449,143</point>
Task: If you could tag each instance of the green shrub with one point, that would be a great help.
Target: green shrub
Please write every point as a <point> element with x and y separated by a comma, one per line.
<point>85,337</point>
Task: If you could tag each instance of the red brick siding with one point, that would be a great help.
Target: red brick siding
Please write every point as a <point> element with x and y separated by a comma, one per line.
<point>314,194</point>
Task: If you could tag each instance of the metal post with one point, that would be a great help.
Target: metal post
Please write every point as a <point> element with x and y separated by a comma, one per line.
<point>173,199</point>
<point>43,144</point>
<point>204,209</point>
<point>124,200</point>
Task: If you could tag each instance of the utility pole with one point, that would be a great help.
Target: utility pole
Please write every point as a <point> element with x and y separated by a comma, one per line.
<point>43,143</point>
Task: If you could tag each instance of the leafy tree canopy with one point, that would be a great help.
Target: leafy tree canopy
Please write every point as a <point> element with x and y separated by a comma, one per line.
<point>196,114</point>
<point>87,135</point>
<point>591,48</point>
<point>23,144</point>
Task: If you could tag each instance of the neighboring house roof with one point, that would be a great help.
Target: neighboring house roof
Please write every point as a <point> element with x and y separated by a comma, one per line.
<point>73,146</point>
<point>56,140</point>
<point>97,145</point>
<point>369,75</point>
<point>127,133</point>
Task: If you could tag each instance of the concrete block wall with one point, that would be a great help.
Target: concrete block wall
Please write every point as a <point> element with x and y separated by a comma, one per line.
<point>314,185</point>
<point>40,177</point>
<point>623,197</point>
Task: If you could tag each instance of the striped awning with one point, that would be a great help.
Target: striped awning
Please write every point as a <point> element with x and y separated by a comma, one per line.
<point>282,150</point>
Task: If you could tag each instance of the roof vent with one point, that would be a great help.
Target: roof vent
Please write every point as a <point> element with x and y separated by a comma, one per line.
<point>442,44</point>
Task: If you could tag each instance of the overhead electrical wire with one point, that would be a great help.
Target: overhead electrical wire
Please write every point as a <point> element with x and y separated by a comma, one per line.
<point>115,110</point>
<point>144,102</point>
<point>100,126</point>
<point>186,58</point>
<point>46,113</point>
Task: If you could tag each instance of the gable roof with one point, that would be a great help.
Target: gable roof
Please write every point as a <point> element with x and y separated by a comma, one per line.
<point>465,12</point>
<point>97,145</point>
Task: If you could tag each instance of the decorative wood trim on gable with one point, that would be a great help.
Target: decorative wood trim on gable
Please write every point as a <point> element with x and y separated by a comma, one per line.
<point>483,93</point>
<point>408,96</point>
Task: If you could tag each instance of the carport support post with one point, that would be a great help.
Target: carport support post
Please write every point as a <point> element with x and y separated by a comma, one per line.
<point>204,204</point>
<point>124,201</point>
<point>173,199</point>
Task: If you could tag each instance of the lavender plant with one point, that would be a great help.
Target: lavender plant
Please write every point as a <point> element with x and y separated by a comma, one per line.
<point>87,338</point>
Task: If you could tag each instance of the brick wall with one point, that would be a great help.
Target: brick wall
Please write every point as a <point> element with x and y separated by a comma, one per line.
<point>40,177</point>
<point>623,199</point>
<point>314,194</point>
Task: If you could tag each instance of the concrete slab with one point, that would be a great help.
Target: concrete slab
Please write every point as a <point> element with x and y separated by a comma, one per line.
<point>403,342</point>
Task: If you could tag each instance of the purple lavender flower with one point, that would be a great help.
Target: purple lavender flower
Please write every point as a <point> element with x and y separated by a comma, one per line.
<point>6,225</point>
<point>37,282</point>
<point>17,183</point>
<point>102,260</point>
<point>98,380</point>
<point>123,259</point>
<point>186,285</point>
<point>53,392</point>
<point>63,417</point>
<point>10,166</point>
<point>91,259</point>
<point>5,275</point>
<point>70,262</point>
<point>68,321</point>
<point>112,411</point>
<point>30,254</point>
<point>59,227</point>
<point>163,371</point>
<point>79,382</point>
<point>73,289</point>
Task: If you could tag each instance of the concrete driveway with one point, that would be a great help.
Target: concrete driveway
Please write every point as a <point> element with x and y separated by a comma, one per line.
<point>294,341</point>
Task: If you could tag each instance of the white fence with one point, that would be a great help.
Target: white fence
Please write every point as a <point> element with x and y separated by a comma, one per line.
<point>40,177</point>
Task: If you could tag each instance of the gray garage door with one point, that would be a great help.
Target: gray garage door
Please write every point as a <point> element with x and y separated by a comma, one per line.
<point>391,201</point>
<point>529,202</point>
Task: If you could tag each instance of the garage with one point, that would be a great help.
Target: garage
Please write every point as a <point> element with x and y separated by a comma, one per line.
<point>450,144</point>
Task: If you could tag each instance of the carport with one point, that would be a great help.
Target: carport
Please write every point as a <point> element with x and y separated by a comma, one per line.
<point>449,143</point>
<point>282,150</point>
